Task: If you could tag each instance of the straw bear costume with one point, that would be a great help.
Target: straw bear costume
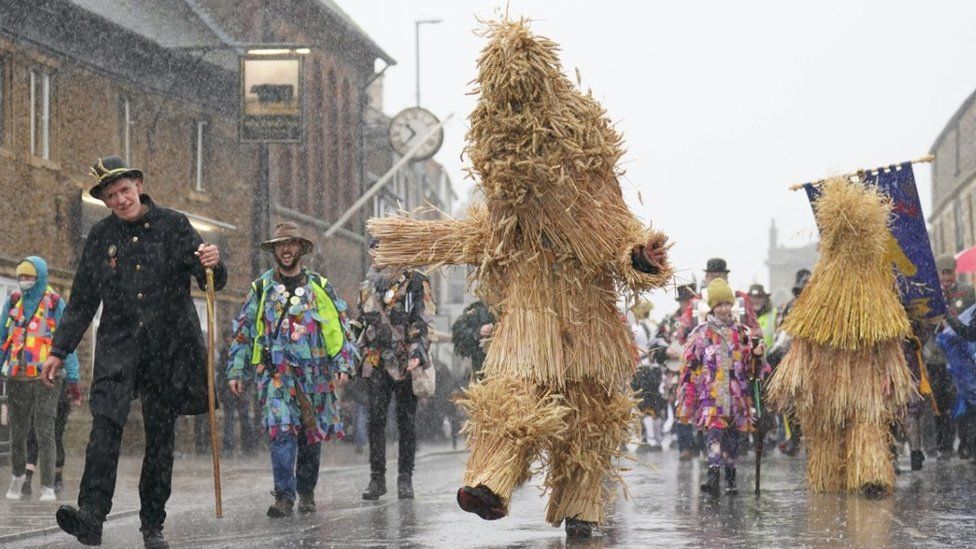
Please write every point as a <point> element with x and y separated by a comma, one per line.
<point>553,245</point>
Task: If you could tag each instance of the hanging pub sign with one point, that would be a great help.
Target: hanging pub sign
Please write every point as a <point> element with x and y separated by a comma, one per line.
<point>271,94</point>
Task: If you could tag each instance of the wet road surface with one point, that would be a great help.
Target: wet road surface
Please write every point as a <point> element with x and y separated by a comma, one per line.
<point>933,508</point>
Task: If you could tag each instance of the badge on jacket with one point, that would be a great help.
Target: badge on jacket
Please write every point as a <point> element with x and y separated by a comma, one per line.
<point>112,260</point>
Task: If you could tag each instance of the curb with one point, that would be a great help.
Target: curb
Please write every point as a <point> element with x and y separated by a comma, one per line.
<point>20,536</point>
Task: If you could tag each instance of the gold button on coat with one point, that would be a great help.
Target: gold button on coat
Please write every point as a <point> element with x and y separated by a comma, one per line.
<point>139,295</point>
<point>135,239</point>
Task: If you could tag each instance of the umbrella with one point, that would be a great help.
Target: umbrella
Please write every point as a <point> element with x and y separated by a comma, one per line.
<point>966,261</point>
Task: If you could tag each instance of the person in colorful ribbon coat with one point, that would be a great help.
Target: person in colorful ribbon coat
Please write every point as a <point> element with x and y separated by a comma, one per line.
<point>30,318</point>
<point>292,337</point>
<point>720,361</point>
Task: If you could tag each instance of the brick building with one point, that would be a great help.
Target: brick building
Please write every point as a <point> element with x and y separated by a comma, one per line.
<point>952,221</point>
<point>314,182</point>
<point>157,82</point>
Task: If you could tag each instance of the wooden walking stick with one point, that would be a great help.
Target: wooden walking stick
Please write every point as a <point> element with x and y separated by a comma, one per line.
<point>211,395</point>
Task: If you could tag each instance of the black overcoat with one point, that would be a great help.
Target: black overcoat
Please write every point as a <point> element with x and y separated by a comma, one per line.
<point>148,341</point>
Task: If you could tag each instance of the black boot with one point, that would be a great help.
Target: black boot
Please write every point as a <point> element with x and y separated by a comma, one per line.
<point>917,458</point>
<point>282,507</point>
<point>306,503</point>
<point>376,488</point>
<point>152,537</point>
<point>578,529</point>
<point>82,524</point>
<point>58,482</point>
<point>405,486</point>
<point>710,486</point>
<point>730,488</point>
<point>481,501</point>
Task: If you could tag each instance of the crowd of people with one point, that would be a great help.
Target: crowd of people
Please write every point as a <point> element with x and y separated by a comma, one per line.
<point>709,407</point>
<point>317,371</point>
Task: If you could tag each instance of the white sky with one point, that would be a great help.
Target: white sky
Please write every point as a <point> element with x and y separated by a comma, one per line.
<point>723,105</point>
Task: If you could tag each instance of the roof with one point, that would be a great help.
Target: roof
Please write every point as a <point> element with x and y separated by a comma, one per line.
<point>174,24</point>
<point>333,9</point>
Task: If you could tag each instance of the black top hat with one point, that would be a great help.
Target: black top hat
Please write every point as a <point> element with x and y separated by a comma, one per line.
<point>716,265</point>
<point>107,170</point>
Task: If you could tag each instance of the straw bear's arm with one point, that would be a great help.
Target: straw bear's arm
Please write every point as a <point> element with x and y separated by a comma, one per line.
<point>637,273</point>
<point>417,243</point>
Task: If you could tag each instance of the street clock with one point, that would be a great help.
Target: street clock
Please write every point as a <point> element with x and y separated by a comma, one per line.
<point>410,126</point>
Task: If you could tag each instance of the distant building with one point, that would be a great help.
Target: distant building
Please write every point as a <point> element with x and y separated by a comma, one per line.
<point>954,182</point>
<point>783,264</point>
<point>424,185</point>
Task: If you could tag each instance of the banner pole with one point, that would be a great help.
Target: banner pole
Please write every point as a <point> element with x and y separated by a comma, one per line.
<point>922,160</point>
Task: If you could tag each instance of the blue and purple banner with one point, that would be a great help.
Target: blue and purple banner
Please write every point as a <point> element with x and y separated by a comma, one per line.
<point>914,263</point>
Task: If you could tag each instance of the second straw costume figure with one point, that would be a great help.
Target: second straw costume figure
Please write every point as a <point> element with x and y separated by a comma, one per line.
<point>552,247</point>
<point>845,376</point>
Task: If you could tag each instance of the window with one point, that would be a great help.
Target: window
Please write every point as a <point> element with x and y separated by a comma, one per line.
<point>40,111</point>
<point>199,153</point>
<point>3,97</point>
<point>125,125</point>
<point>958,224</point>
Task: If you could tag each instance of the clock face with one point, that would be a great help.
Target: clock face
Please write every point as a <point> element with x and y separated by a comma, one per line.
<point>410,126</point>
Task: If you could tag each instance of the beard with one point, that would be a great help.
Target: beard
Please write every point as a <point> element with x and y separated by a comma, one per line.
<point>286,265</point>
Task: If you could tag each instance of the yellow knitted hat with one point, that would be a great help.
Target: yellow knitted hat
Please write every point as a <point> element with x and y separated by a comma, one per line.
<point>26,268</point>
<point>719,291</point>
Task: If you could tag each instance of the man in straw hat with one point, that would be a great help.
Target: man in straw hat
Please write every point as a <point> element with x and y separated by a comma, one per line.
<point>720,361</point>
<point>396,308</point>
<point>292,338</point>
<point>137,264</point>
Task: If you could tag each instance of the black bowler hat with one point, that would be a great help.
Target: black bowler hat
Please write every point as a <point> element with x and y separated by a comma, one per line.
<point>109,169</point>
<point>716,265</point>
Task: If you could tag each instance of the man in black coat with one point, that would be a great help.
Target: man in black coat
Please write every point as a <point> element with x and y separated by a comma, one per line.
<point>137,263</point>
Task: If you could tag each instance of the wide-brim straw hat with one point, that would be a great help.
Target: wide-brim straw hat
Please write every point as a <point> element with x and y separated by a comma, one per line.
<point>285,231</point>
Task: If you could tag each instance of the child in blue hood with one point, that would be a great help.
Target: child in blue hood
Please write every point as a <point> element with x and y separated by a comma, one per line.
<point>28,321</point>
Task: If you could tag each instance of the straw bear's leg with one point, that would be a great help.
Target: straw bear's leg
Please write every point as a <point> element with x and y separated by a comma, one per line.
<point>581,466</point>
<point>826,457</point>
<point>509,421</point>
<point>869,464</point>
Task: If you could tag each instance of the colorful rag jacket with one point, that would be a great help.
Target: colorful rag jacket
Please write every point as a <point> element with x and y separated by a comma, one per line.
<point>715,379</point>
<point>25,341</point>
<point>299,351</point>
<point>396,309</point>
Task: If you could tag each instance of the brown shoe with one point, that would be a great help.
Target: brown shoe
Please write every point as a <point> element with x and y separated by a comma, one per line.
<point>481,501</point>
<point>282,506</point>
<point>306,503</point>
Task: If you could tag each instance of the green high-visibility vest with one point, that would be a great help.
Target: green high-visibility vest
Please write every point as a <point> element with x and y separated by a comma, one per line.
<point>767,323</point>
<point>331,329</point>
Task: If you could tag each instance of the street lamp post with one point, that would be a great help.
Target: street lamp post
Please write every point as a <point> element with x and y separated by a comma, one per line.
<point>417,44</point>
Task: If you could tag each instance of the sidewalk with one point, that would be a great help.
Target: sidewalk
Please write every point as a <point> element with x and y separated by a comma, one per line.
<point>192,483</point>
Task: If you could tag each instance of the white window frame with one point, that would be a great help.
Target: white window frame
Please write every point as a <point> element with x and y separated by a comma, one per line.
<point>3,98</point>
<point>40,138</point>
<point>200,129</point>
<point>126,127</point>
